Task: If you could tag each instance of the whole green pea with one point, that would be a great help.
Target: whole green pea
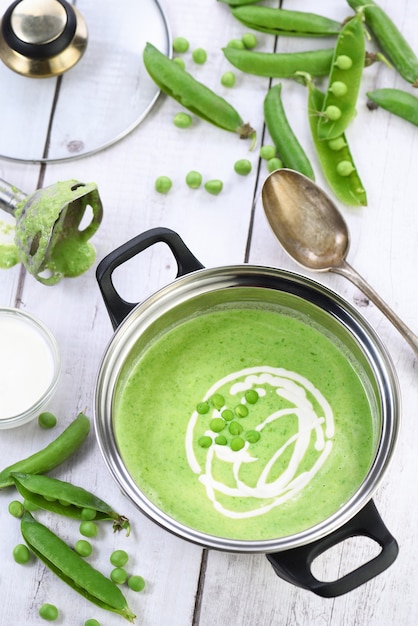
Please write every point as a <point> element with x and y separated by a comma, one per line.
<point>136,583</point>
<point>228,415</point>
<point>345,168</point>
<point>338,88</point>
<point>337,144</point>
<point>119,575</point>
<point>235,428</point>
<point>180,45</point>
<point>119,558</point>
<point>267,152</point>
<point>237,443</point>
<point>228,79</point>
<point>251,396</point>
<point>249,40</point>
<point>205,441</point>
<point>48,612</point>
<point>163,184</point>
<point>252,436</point>
<point>217,400</point>
<point>214,186</point>
<point>182,120</point>
<point>344,62</point>
<point>221,440</point>
<point>47,420</point>
<point>333,112</point>
<point>217,424</point>
<point>21,554</point>
<point>241,410</point>
<point>193,179</point>
<point>243,167</point>
<point>199,56</point>
<point>202,408</point>
<point>91,622</point>
<point>87,515</point>
<point>83,547</point>
<point>16,508</point>
<point>274,164</point>
<point>88,529</point>
<point>236,43</point>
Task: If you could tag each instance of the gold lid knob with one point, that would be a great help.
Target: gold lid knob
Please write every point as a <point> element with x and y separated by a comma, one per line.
<point>41,38</point>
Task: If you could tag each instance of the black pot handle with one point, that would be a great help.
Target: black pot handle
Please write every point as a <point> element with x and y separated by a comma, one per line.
<point>294,565</point>
<point>117,307</point>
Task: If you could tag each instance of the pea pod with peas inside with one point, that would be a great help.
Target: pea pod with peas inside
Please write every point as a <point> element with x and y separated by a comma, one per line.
<point>66,499</point>
<point>53,454</point>
<point>192,94</point>
<point>282,135</point>
<point>285,22</point>
<point>281,64</point>
<point>390,39</point>
<point>339,106</point>
<point>72,568</point>
<point>396,101</point>
<point>334,156</point>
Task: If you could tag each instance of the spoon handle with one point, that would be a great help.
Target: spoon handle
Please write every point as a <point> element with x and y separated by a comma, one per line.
<point>349,272</point>
<point>10,197</point>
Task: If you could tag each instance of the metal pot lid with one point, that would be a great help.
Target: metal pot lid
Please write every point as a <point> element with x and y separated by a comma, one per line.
<point>73,80</point>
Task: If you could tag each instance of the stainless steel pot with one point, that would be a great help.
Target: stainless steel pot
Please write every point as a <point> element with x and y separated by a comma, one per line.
<point>197,289</point>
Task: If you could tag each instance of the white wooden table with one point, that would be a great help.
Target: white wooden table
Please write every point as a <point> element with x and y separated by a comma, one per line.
<point>186,585</point>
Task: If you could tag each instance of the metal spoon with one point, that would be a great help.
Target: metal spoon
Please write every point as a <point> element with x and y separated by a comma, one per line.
<point>313,232</point>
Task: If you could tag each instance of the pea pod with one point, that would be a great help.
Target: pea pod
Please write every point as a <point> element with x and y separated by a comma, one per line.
<point>344,81</point>
<point>239,3</point>
<point>282,135</point>
<point>335,157</point>
<point>72,568</point>
<point>390,39</point>
<point>285,22</point>
<point>53,454</point>
<point>192,94</point>
<point>396,101</point>
<point>66,499</point>
<point>281,64</point>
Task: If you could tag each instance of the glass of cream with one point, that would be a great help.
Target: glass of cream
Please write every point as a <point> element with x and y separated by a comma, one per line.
<point>29,367</point>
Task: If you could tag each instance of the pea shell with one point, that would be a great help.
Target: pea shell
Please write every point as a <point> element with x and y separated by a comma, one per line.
<point>72,568</point>
<point>286,22</point>
<point>348,189</point>
<point>192,94</point>
<point>281,64</point>
<point>396,101</point>
<point>351,43</point>
<point>49,493</point>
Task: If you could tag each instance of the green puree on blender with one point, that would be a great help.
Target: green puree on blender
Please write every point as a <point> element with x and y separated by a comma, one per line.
<point>245,423</point>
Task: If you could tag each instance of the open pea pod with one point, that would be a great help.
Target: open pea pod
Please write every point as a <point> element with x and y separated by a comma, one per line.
<point>66,499</point>
<point>73,569</point>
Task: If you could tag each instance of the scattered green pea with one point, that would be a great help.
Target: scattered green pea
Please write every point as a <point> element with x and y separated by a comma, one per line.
<point>21,554</point>
<point>337,144</point>
<point>241,410</point>
<point>205,441</point>
<point>235,428</point>
<point>119,575</point>
<point>252,436</point>
<point>228,79</point>
<point>228,415</point>
<point>182,120</point>
<point>243,167</point>
<point>332,112</point>
<point>48,612</point>
<point>203,408</point>
<point>47,420</point>
<point>16,508</point>
<point>88,529</point>
<point>343,62</point>
<point>180,62</point>
<point>251,396</point>
<point>217,400</point>
<point>119,558</point>
<point>345,168</point>
<point>214,186</point>
<point>163,184</point>
<point>237,443</point>
<point>199,56</point>
<point>217,424</point>
<point>267,152</point>
<point>194,179</point>
<point>238,44</point>
<point>338,88</point>
<point>87,515</point>
<point>136,583</point>
<point>221,440</point>
<point>180,45</point>
<point>274,164</point>
<point>249,40</point>
<point>83,547</point>
<point>91,622</point>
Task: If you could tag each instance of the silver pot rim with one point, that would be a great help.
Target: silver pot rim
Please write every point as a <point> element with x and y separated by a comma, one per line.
<point>201,281</point>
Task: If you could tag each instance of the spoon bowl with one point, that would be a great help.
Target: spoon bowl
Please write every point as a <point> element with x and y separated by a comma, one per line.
<point>313,232</point>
